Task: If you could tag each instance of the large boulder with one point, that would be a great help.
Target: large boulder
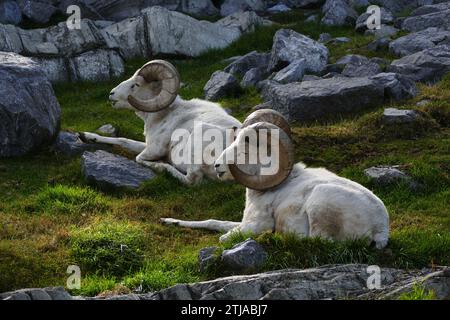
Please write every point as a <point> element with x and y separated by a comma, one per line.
<point>289,46</point>
<point>386,18</point>
<point>198,7</point>
<point>37,11</point>
<point>98,65</point>
<point>431,8</point>
<point>219,85</point>
<point>427,66</point>
<point>10,13</point>
<point>418,41</point>
<point>338,13</point>
<point>321,99</point>
<point>292,73</point>
<point>254,59</point>
<point>362,67</point>
<point>174,33</point>
<point>437,19</point>
<point>29,111</point>
<point>232,6</point>
<point>109,171</point>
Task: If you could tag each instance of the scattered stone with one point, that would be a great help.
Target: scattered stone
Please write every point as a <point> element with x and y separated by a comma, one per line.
<point>10,13</point>
<point>361,68</point>
<point>253,76</point>
<point>338,13</point>
<point>353,59</point>
<point>278,8</point>
<point>246,256</point>
<point>317,100</point>
<point>439,19</point>
<point>312,18</point>
<point>199,8</point>
<point>232,6</point>
<point>289,46</point>
<point>219,85</point>
<point>396,116</point>
<point>340,40</point>
<point>303,3</point>
<point>396,86</point>
<point>29,111</point>
<point>426,66</point>
<point>251,60</point>
<point>386,19</point>
<point>243,22</point>
<point>70,144</point>
<point>333,68</point>
<point>381,44</point>
<point>108,129</point>
<point>418,41</point>
<point>423,103</point>
<point>109,171</point>
<point>207,258</point>
<point>386,175</point>
<point>292,73</point>
<point>325,37</point>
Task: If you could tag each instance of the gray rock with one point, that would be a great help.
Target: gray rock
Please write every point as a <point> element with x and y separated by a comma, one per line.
<point>200,8</point>
<point>251,60</point>
<point>278,8</point>
<point>395,116</point>
<point>29,111</point>
<point>338,13</point>
<point>207,258</point>
<point>10,13</point>
<point>355,4</point>
<point>289,46</point>
<point>440,19</point>
<point>98,65</point>
<point>339,40</point>
<point>384,32</point>
<point>361,68</point>
<point>70,144</point>
<point>219,85</point>
<point>303,3</point>
<point>418,41</point>
<point>292,73</point>
<point>315,100</point>
<point>396,86</point>
<point>381,44</point>
<point>312,18</point>
<point>427,66</point>
<point>109,171</point>
<point>309,77</point>
<point>387,18</point>
<point>245,256</point>
<point>108,129</point>
<point>253,76</point>
<point>58,293</point>
<point>174,33</point>
<point>385,175</point>
<point>325,37</point>
<point>232,6</point>
<point>353,59</point>
<point>36,11</point>
<point>398,6</point>
<point>431,8</point>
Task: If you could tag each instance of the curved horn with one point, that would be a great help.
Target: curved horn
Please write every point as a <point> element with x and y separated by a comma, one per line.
<point>167,74</point>
<point>286,162</point>
<point>270,116</point>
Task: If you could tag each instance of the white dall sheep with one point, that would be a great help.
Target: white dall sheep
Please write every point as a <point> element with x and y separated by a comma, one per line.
<point>305,201</point>
<point>152,92</point>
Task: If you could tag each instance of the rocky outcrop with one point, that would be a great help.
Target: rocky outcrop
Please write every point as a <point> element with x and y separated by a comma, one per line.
<point>289,46</point>
<point>349,281</point>
<point>427,66</point>
<point>438,18</point>
<point>111,172</point>
<point>320,99</point>
<point>418,41</point>
<point>29,111</point>
<point>396,86</point>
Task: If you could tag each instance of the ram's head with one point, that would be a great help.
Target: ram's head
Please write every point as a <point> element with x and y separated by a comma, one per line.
<point>263,125</point>
<point>152,88</point>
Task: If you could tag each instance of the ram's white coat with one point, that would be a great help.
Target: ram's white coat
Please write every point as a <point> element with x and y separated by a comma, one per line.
<point>311,202</point>
<point>159,126</point>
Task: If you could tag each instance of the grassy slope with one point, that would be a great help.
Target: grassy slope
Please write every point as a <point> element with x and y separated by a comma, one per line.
<point>50,218</point>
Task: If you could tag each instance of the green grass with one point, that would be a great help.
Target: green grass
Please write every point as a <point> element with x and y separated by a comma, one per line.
<point>50,218</point>
<point>418,292</point>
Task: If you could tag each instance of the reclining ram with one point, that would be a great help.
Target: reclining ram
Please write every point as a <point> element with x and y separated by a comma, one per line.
<point>305,201</point>
<point>152,92</point>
